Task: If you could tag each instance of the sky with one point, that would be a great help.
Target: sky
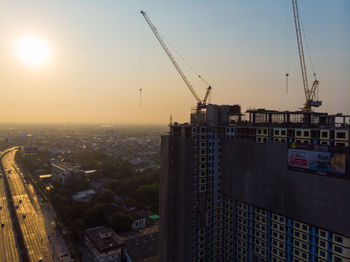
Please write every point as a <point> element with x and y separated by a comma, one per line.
<point>102,52</point>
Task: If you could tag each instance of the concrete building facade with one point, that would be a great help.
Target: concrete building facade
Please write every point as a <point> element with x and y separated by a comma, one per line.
<point>273,188</point>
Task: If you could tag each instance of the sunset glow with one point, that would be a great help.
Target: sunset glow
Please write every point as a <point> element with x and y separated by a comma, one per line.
<point>33,51</point>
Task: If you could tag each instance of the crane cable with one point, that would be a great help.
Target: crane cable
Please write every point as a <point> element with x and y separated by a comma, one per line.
<point>307,44</point>
<point>186,62</point>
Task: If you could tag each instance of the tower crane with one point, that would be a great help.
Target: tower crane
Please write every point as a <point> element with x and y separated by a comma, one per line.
<point>200,103</point>
<point>311,94</point>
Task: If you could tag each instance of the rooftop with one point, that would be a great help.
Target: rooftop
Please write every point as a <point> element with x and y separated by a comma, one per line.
<point>104,239</point>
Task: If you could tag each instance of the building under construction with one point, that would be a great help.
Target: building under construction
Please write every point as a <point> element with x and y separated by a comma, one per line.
<point>275,187</point>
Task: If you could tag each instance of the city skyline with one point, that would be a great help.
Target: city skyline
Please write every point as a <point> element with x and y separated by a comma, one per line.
<point>102,54</point>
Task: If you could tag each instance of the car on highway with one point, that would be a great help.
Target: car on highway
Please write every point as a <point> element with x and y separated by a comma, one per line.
<point>9,172</point>
<point>0,207</point>
<point>40,260</point>
<point>24,215</point>
<point>20,201</point>
<point>17,206</point>
<point>2,225</point>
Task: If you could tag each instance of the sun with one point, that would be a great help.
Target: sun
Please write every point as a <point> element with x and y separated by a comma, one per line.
<point>33,50</point>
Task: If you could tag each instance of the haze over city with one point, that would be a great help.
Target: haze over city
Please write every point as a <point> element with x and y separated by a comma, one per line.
<point>85,61</point>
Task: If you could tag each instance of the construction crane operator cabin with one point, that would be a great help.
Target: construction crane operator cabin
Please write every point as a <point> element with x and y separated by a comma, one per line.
<point>260,189</point>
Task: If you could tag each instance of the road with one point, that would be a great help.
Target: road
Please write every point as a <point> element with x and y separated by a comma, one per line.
<point>35,219</point>
<point>8,246</point>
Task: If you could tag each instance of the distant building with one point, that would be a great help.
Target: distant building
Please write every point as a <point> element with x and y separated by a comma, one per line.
<point>140,219</point>
<point>46,178</point>
<point>96,186</point>
<point>118,198</point>
<point>84,196</point>
<point>62,174</point>
<point>104,244</point>
<point>30,150</point>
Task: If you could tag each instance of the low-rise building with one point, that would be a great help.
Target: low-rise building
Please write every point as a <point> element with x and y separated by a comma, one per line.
<point>140,219</point>
<point>62,174</point>
<point>84,196</point>
<point>104,244</point>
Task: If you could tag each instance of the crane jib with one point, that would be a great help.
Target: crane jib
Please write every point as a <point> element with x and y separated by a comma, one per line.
<point>200,103</point>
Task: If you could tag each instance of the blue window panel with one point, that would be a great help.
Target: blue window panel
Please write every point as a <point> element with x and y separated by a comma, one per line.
<point>330,237</point>
<point>269,215</point>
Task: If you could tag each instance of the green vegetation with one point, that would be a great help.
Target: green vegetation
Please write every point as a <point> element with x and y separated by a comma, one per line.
<point>139,189</point>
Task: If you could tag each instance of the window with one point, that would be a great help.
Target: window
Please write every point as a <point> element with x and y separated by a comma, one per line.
<point>305,227</point>
<point>306,133</point>
<point>337,259</point>
<point>322,253</point>
<point>338,249</point>
<point>324,134</point>
<point>340,134</point>
<point>283,132</point>
<point>322,243</point>
<point>265,131</point>
<point>276,132</point>
<point>322,233</point>
<point>298,133</point>
<point>338,239</point>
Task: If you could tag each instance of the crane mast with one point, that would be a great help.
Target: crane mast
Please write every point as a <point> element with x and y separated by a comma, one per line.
<point>200,103</point>
<point>310,93</point>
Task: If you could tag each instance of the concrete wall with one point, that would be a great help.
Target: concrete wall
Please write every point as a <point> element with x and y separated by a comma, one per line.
<point>176,199</point>
<point>258,174</point>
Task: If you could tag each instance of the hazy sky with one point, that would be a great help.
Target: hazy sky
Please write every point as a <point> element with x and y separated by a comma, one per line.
<point>103,52</point>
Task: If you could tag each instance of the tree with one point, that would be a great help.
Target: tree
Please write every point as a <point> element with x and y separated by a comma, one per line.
<point>120,222</point>
<point>106,196</point>
<point>97,215</point>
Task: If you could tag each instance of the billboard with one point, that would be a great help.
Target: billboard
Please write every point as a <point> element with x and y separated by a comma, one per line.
<point>338,163</point>
<point>318,161</point>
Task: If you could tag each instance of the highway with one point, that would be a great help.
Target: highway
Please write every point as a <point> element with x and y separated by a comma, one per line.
<point>35,229</point>
<point>8,245</point>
